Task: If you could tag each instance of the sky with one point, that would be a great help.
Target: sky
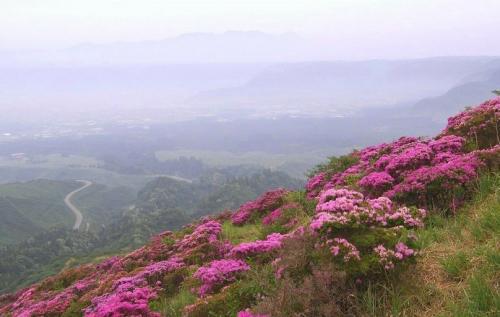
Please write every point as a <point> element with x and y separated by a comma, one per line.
<point>355,28</point>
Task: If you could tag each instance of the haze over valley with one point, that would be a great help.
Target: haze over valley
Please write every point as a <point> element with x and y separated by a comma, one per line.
<point>146,125</point>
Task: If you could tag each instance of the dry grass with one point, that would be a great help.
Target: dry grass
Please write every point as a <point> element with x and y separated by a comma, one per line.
<point>429,288</point>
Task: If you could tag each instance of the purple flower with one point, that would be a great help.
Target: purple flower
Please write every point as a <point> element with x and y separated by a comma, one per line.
<point>218,273</point>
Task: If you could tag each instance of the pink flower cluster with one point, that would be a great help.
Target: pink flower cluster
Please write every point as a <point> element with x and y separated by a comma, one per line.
<point>410,158</point>
<point>315,183</point>
<point>406,167</point>
<point>387,257</point>
<point>340,246</point>
<point>273,216</point>
<point>269,200</point>
<point>377,182</point>
<point>157,269</point>
<point>245,249</point>
<point>477,120</point>
<point>353,209</point>
<point>207,232</point>
<point>131,301</point>
<point>447,144</point>
<point>338,200</point>
<point>28,305</point>
<point>130,295</point>
<point>218,273</point>
<point>248,313</point>
<point>456,171</point>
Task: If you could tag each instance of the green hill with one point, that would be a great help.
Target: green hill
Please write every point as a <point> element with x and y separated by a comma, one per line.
<point>31,207</point>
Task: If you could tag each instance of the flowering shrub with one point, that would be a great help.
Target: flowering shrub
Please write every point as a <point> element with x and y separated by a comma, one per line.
<point>245,249</point>
<point>354,210</point>
<point>430,181</point>
<point>130,295</point>
<point>340,246</point>
<point>376,183</point>
<point>356,219</point>
<point>131,300</point>
<point>414,170</point>
<point>410,158</point>
<point>218,273</point>
<point>341,213</point>
<point>447,144</point>
<point>387,257</point>
<point>479,125</point>
<point>270,200</point>
<point>272,217</point>
<point>315,182</point>
<point>207,232</point>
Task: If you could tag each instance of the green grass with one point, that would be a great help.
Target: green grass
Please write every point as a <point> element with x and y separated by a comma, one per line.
<point>173,306</point>
<point>456,264</point>
<point>238,234</point>
<point>458,270</point>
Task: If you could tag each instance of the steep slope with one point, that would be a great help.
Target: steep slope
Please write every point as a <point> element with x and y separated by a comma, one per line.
<point>457,272</point>
<point>317,252</point>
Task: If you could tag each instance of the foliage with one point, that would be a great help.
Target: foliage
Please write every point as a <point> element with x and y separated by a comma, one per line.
<point>340,248</point>
<point>457,272</point>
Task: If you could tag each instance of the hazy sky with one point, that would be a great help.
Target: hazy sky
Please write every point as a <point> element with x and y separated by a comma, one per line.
<point>356,28</point>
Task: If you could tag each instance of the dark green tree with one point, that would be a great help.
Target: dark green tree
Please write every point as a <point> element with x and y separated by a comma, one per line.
<point>496,92</point>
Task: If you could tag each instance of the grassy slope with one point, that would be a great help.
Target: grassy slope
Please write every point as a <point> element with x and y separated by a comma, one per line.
<point>34,206</point>
<point>458,271</point>
<point>456,274</point>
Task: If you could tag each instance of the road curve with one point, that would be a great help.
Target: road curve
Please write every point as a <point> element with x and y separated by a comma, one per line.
<point>67,201</point>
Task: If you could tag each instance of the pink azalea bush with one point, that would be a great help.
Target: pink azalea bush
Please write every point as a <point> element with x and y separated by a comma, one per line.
<point>270,200</point>
<point>479,125</point>
<point>414,170</point>
<point>354,210</point>
<point>218,273</point>
<point>207,232</point>
<point>388,257</point>
<point>376,182</point>
<point>272,242</point>
<point>340,246</point>
<point>340,213</point>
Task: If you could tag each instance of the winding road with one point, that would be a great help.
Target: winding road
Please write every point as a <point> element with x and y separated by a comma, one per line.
<point>67,201</point>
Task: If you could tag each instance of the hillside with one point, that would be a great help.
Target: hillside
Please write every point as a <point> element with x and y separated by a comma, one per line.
<point>117,220</point>
<point>336,85</point>
<point>31,207</point>
<point>470,91</point>
<point>408,227</point>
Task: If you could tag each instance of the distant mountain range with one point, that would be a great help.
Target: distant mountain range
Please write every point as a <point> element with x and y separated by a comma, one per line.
<point>227,75</point>
<point>228,47</point>
<point>183,91</point>
<point>470,91</point>
<point>327,86</point>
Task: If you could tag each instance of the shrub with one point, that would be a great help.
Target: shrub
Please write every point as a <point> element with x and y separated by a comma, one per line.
<point>218,273</point>
<point>323,293</point>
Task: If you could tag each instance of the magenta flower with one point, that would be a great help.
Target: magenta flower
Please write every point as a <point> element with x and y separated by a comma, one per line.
<point>218,273</point>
